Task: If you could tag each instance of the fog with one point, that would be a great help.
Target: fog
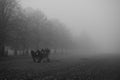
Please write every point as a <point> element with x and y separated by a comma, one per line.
<point>98,19</point>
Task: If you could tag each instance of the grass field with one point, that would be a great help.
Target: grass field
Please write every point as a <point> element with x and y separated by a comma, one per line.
<point>67,68</point>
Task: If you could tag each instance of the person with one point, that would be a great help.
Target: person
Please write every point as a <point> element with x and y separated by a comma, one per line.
<point>33,55</point>
<point>42,55</point>
<point>39,55</point>
<point>47,53</point>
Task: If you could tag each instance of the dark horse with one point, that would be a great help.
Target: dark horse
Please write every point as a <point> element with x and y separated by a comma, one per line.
<point>35,55</point>
<point>45,54</point>
<point>39,55</point>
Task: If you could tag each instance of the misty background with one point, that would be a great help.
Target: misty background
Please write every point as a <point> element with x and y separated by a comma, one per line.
<point>59,39</point>
<point>86,26</point>
<point>99,20</point>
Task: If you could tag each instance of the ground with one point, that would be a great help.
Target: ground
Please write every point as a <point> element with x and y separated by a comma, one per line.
<point>23,68</point>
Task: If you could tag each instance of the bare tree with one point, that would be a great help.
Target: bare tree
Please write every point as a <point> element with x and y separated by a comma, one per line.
<point>7,8</point>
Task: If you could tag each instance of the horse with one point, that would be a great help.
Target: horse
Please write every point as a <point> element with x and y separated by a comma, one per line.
<point>40,55</point>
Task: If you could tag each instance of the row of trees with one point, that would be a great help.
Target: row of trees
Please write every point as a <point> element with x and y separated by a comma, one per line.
<point>25,29</point>
<point>7,8</point>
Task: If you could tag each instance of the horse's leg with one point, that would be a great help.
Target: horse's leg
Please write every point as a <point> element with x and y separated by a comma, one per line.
<point>48,60</point>
<point>34,58</point>
<point>39,59</point>
<point>47,55</point>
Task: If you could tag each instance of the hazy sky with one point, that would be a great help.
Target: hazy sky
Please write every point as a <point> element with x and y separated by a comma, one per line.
<point>100,18</point>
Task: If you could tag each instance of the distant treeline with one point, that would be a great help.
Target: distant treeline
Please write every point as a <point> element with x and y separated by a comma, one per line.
<point>25,29</point>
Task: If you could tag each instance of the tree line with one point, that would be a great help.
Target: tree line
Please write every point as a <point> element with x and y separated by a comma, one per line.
<point>25,29</point>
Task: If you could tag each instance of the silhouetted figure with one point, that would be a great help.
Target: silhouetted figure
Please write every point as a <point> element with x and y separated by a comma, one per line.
<point>33,55</point>
<point>46,53</point>
<point>40,54</point>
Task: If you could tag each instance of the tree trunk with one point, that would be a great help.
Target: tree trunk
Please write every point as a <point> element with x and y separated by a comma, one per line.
<point>2,50</point>
<point>15,52</point>
<point>27,52</point>
<point>23,52</point>
<point>6,52</point>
